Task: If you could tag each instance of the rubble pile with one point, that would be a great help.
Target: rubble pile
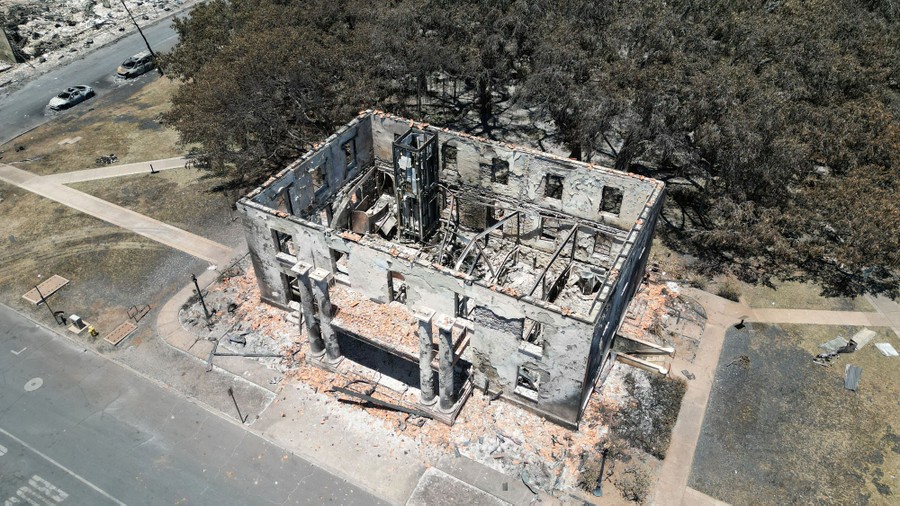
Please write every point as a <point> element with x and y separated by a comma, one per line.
<point>494,432</point>
<point>239,320</point>
<point>646,311</point>
<point>392,324</point>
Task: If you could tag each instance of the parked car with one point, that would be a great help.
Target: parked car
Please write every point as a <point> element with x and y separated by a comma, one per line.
<point>72,96</point>
<point>136,65</point>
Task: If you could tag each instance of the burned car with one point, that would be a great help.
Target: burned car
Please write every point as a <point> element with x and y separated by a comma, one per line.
<point>71,96</point>
<point>136,65</point>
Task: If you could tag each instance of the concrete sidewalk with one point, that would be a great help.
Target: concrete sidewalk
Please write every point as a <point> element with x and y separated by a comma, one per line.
<point>128,169</point>
<point>158,231</point>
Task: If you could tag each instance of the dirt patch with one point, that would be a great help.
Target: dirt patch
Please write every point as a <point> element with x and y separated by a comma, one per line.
<point>116,123</point>
<point>780,427</point>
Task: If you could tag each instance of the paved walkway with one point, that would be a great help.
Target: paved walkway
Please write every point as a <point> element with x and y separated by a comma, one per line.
<point>50,187</point>
<point>672,483</point>
<point>128,169</point>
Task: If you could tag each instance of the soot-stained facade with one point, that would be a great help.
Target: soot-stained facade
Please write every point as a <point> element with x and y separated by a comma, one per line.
<point>480,264</point>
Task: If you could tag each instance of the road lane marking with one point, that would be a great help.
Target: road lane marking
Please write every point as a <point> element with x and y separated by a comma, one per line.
<point>64,468</point>
<point>18,352</point>
<point>3,450</point>
<point>38,492</point>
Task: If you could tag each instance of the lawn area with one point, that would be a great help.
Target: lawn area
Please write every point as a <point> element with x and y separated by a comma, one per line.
<point>780,429</point>
<point>183,198</point>
<point>794,295</point>
<point>122,122</point>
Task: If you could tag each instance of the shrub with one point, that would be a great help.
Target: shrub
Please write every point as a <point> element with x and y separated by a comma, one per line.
<point>729,289</point>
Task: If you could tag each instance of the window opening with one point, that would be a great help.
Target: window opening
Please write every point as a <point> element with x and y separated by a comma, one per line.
<point>318,177</point>
<point>284,243</point>
<point>499,171</point>
<point>340,260</point>
<point>461,306</point>
<point>549,229</point>
<point>611,200</point>
<point>293,285</point>
<point>397,287</point>
<point>553,186</point>
<point>602,246</point>
<point>349,148</point>
<point>528,382</point>
<point>449,157</point>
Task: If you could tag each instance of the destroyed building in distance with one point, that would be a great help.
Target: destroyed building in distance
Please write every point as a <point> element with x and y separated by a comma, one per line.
<point>474,263</point>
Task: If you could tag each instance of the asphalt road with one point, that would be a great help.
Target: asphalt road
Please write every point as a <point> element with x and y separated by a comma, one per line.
<point>26,107</point>
<point>77,428</point>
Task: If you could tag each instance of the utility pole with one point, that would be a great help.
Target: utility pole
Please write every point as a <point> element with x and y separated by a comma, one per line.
<point>200,295</point>
<point>155,59</point>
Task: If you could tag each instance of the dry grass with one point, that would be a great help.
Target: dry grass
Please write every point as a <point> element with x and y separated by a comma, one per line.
<point>41,238</point>
<point>780,427</point>
<point>113,124</point>
<point>180,197</point>
<point>794,295</point>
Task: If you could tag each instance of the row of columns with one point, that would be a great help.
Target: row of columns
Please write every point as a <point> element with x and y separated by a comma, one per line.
<point>313,285</point>
<point>446,391</point>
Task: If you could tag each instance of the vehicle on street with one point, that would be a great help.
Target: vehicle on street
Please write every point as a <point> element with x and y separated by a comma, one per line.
<point>136,65</point>
<point>71,96</point>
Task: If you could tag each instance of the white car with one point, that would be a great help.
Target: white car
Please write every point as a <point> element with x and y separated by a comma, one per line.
<point>72,96</point>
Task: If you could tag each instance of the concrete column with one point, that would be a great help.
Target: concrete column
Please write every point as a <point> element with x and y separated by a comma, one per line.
<point>320,279</point>
<point>445,362</point>
<point>316,344</point>
<point>426,354</point>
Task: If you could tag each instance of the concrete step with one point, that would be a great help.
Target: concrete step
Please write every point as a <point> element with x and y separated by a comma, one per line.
<point>508,489</point>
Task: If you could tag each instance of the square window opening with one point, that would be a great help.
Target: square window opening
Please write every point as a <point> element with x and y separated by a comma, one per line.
<point>499,171</point>
<point>284,243</point>
<point>397,287</point>
<point>533,332</point>
<point>602,246</point>
<point>553,186</point>
<point>549,229</point>
<point>340,260</point>
<point>528,382</point>
<point>611,200</point>
<point>494,214</point>
<point>293,287</point>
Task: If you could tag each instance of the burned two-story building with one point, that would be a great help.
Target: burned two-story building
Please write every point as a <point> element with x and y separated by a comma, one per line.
<point>506,269</point>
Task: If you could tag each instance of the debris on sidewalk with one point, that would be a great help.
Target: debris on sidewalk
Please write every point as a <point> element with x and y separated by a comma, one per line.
<point>851,377</point>
<point>886,349</point>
